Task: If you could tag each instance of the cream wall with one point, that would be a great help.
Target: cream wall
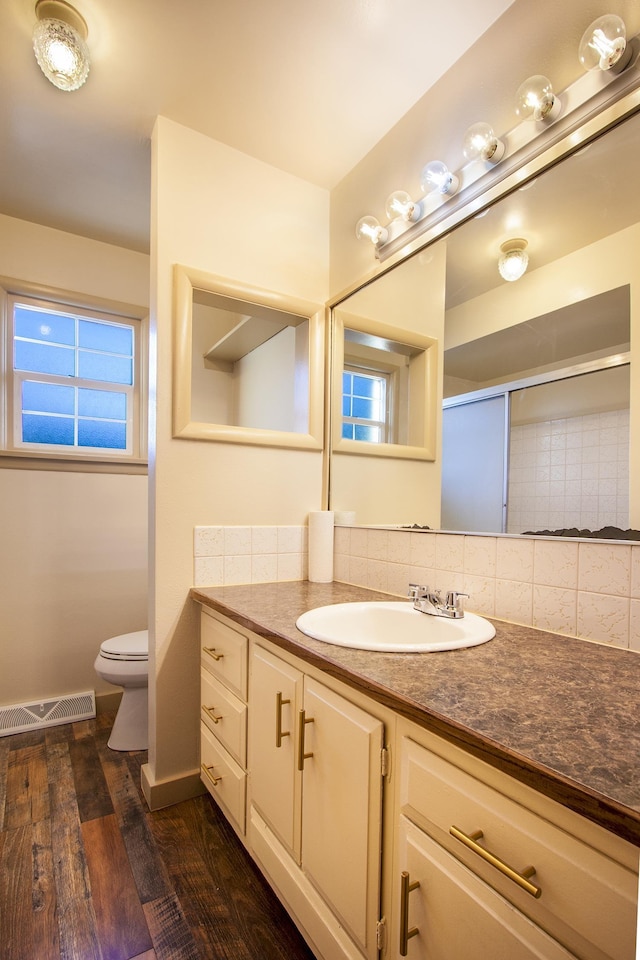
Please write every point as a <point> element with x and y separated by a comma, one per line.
<point>73,549</point>
<point>216,210</point>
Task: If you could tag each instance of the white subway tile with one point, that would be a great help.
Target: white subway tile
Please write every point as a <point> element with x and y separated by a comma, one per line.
<point>555,609</point>
<point>603,618</point>
<point>208,571</point>
<point>208,541</point>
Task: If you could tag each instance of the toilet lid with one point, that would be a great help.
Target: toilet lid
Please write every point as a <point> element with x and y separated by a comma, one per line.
<point>128,646</point>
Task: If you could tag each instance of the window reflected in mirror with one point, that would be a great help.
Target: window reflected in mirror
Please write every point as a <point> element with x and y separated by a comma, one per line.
<point>384,390</point>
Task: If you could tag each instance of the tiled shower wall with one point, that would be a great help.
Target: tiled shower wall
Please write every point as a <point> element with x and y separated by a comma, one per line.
<point>570,473</point>
<point>579,588</point>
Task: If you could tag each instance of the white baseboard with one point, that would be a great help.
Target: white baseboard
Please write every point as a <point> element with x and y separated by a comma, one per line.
<point>164,793</point>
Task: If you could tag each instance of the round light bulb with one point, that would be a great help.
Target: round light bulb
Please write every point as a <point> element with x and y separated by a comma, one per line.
<point>436,177</point>
<point>368,228</point>
<point>481,143</point>
<point>535,99</point>
<point>603,44</point>
<point>400,204</point>
<point>513,260</point>
<point>61,53</point>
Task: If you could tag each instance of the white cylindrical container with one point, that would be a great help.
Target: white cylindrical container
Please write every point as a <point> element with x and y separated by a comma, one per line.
<point>321,546</point>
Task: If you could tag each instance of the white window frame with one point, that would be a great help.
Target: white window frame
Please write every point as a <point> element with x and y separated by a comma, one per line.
<point>11,443</point>
<point>385,425</point>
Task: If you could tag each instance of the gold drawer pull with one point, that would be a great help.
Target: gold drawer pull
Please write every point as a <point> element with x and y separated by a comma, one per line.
<point>522,879</point>
<point>209,712</point>
<point>302,756</point>
<point>212,653</point>
<point>209,775</point>
<point>280,733</point>
<point>405,933</point>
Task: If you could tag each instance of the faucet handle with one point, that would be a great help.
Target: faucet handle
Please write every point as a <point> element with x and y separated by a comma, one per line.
<point>455,600</point>
<point>417,591</point>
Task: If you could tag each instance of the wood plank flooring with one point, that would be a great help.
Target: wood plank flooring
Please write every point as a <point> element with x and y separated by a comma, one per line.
<point>88,873</point>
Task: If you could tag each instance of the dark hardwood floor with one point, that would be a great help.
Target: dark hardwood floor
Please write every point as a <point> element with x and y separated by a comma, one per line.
<point>88,873</point>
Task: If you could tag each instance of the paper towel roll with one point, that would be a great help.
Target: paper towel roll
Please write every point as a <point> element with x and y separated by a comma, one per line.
<point>321,546</point>
<point>344,518</point>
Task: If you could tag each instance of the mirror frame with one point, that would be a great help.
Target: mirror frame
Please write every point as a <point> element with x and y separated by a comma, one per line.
<point>427,408</point>
<point>185,281</point>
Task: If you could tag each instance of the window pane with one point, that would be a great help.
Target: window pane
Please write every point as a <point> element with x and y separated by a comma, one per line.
<point>347,431</point>
<point>47,397</point>
<point>371,434</point>
<point>105,336</point>
<point>346,406</point>
<point>364,386</point>
<point>100,366</point>
<point>44,358</point>
<point>102,403</point>
<point>102,433</point>
<point>39,325</point>
<point>39,429</point>
<point>365,409</point>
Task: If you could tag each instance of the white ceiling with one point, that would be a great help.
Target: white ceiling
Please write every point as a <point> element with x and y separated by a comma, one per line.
<point>304,85</point>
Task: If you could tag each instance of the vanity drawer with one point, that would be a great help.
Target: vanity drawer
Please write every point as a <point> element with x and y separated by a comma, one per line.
<point>224,653</point>
<point>587,899</point>
<point>225,715</point>
<point>223,778</point>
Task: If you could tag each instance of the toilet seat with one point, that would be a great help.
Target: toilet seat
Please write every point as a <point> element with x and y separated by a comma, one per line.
<point>128,646</point>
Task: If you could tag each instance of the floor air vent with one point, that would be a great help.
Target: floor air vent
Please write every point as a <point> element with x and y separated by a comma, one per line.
<point>19,717</point>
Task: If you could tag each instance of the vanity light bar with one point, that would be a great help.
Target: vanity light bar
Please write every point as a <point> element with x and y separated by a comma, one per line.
<point>553,118</point>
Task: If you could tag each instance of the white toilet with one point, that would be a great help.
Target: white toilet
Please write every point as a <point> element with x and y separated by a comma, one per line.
<point>124,660</point>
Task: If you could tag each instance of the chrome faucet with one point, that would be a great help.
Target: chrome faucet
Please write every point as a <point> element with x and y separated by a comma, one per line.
<point>430,602</point>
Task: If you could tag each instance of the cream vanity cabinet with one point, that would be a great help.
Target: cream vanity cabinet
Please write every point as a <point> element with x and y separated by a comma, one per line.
<point>223,715</point>
<point>315,761</point>
<point>484,867</point>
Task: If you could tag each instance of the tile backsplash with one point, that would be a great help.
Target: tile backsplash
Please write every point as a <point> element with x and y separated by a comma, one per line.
<point>229,555</point>
<point>579,588</point>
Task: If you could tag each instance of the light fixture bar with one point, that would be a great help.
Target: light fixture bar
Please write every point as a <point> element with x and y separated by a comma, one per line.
<point>582,101</point>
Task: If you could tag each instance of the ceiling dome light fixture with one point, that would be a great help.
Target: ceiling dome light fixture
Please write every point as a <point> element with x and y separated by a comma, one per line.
<point>59,42</point>
<point>368,228</point>
<point>400,204</point>
<point>481,143</point>
<point>513,260</point>
<point>535,100</point>
<point>604,45</point>
<point>437,178</point>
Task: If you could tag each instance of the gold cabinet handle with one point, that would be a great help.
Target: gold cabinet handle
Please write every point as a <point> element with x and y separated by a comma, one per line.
<point>405,933</point>
<point>280,733</point>
<point>209,712</point>
<point>212,653</point>
<point>522,879</point>
<point>302,756</point>
<point>209,774</point>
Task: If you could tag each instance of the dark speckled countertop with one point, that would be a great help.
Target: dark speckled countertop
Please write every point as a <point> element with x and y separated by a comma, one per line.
<point>559,714</point>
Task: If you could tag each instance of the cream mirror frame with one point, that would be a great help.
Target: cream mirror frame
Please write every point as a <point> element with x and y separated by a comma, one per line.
<point>422,352</point>
<point>233,294</point>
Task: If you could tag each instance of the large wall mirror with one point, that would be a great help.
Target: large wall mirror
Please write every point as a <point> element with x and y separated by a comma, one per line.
<point>539,403</point>
<point>249,364</point>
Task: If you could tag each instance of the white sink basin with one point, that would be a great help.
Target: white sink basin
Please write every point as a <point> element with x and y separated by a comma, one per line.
<point>392,627</point>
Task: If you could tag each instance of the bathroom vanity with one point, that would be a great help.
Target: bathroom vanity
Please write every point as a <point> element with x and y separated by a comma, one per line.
<point>482,802</point>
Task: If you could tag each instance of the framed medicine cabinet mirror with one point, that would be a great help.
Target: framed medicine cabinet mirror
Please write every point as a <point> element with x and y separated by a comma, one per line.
<point>248,364</point>
<point>537,403</point>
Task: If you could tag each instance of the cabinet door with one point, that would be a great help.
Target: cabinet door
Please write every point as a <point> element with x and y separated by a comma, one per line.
<point>276,691</point>
<point>456,915</point>
<point>341,808</point>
